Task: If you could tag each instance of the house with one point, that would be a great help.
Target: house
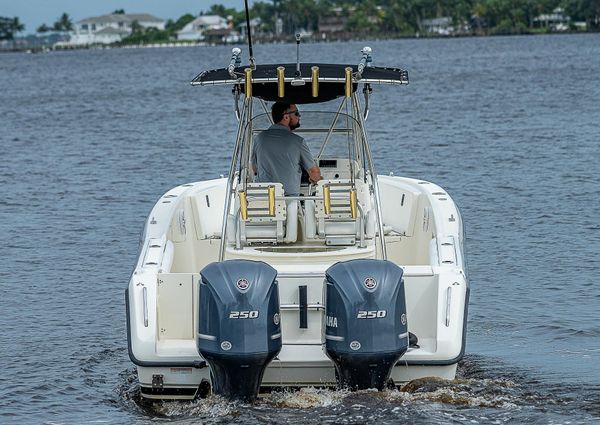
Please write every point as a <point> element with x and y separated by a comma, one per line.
<point>338,20</point>
<point>555,21</point>
<point>439,26</point>
<point>335,21</point>
<point>255,25</point>
<point>107,29</point>
<point>195,30</point>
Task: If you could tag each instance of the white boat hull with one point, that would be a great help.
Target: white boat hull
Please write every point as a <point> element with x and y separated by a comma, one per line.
<point>182,235</point>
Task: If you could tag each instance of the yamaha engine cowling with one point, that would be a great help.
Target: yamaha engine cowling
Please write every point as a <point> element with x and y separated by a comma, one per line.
<point>238,331</point>
<point>366,331</point>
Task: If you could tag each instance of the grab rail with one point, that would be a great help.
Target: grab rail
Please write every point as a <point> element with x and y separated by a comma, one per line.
<point>145,297</point>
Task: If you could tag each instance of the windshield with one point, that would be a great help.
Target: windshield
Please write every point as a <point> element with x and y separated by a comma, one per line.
<point>328,135</point>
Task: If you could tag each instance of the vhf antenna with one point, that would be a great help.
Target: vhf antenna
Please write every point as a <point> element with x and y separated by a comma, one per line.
<point>252,62</point>
<point>298,81</point>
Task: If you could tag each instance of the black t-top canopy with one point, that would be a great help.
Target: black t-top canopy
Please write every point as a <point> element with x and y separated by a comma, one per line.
<point>331,80</point>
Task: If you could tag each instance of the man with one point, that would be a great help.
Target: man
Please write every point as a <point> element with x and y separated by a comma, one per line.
<point>278,155</point>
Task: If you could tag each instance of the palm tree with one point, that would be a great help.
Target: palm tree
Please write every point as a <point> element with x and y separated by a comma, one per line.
<point>63,24</point>
<point>17,26</point>
<point>9,27</point>
<point>136,27</point>
<point>43,28</point>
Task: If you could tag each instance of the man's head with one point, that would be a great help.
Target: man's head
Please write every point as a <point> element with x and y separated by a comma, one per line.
<point>286,114</point>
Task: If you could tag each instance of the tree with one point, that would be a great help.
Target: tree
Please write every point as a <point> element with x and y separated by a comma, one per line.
<point>136,27</point>
<point>119,12</point>
<point>9,27</point>
<point>298,14</point>
<point>182,22</point>
<point>63,24</point>
<point>220,10</point>
<point>402,16</point>
<point>145,36</point>
<point>262,10</point>
<point>171,27</point>
<point>584,10</point>
<point>43,28</point>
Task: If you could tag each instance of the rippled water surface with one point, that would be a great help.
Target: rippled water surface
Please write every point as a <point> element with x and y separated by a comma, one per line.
<point>509,126</point>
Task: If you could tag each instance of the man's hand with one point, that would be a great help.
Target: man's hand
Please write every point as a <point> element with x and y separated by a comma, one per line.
<point>314,174</point>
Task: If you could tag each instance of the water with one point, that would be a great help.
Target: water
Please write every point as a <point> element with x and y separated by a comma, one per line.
<point>509,126</point>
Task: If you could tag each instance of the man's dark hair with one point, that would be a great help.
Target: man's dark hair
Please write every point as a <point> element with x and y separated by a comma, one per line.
<point>278,109</point>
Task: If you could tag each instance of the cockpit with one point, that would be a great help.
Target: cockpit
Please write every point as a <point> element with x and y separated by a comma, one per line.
<point>334,139</point>
<point>337,211</point>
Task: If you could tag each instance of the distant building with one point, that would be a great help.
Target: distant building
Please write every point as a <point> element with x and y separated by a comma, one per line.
<point>203,25</point>
<point>255,26</point>
<point>107,29</point>
<point>555,21</point>
<point>439,26</point>
<point>334,21</point>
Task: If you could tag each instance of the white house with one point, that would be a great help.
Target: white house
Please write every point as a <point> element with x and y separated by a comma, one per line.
<point>556,21</point>
<point>107,29</point>
<point>440,26</point>
<point>255,24</point>
<point>195,30</point>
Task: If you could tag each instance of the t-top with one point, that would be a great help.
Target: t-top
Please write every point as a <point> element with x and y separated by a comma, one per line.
<point>279,156</point>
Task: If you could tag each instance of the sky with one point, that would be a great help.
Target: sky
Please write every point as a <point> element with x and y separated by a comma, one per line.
<point>34,13</point>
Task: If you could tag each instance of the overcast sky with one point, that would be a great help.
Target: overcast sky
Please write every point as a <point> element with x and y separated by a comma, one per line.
<point>33,13</point>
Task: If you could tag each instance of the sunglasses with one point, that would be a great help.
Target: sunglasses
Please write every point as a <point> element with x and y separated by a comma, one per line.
<point>296,112</point>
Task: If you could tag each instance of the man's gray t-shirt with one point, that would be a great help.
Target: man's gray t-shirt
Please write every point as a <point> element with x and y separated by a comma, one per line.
<point>279,156</point>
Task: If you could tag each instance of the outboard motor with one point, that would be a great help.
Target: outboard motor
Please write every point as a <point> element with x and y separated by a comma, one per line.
<point>239,331</point>
<point>366,331</point>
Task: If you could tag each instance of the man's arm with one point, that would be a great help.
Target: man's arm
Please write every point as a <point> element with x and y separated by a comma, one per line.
<point>309,164</point>
<point>314,174</point>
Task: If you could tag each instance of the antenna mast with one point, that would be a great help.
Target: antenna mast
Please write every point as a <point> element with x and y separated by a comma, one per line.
<point>252,62</point>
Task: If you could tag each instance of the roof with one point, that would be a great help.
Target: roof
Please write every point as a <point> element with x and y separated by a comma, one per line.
<point>143,17</point>
<point>120,17</point>
<point>204,22</point>
<point>104,19</point>
<point>254,22</point>
<point>209,20</point>
<point>331,80</point>
<point>445,20</point>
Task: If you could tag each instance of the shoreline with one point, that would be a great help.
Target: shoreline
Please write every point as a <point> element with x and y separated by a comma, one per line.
<point>286,40</point>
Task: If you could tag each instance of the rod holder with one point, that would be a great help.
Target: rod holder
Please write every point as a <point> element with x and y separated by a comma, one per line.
<point>271,191</point>
<point>280,81</point>
<point>315,81</point>
<point>248,83</point>
<point>327,199</point>
<point>353,203</point>
<point>243,205</point>
<point>348,81</point>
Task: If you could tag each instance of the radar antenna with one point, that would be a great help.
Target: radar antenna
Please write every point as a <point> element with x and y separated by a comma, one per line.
<point>236,61</point>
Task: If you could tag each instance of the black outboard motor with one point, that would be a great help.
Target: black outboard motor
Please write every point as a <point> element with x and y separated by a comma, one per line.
<point>239,331</point>
<point>365,318</point>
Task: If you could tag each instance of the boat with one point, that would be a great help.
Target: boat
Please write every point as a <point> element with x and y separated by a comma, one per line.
<point>359,282</point>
